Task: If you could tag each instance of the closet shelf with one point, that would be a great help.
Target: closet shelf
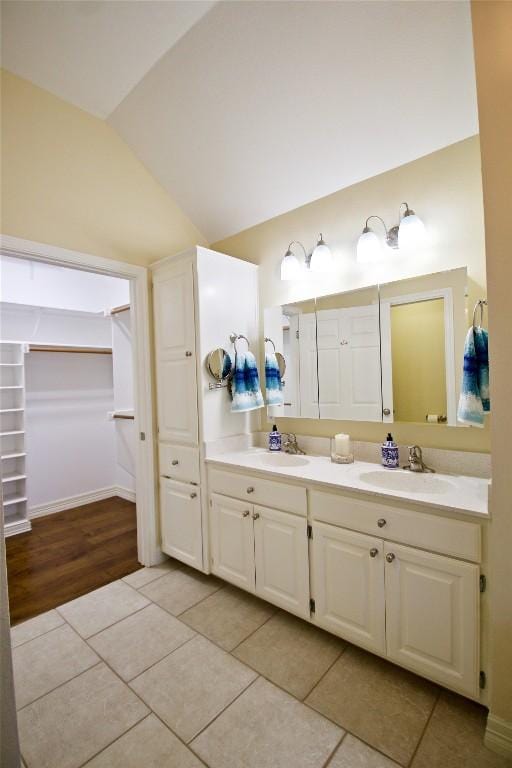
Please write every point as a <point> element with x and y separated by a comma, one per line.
<point>17,455</point>
<point>11,410</point>
<point>17,386</point>
<point>14,499</point>
<point>12,432</point>
<point>11,365</point>
<point>12,477</point>
<point>69,348</point>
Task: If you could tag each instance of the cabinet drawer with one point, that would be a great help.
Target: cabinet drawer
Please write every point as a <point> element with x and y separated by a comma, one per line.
<point>289,498</point>
<point>179,462</point>
<point>420,529</point>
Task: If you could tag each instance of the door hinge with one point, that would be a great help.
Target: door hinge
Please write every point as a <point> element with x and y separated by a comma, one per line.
<point>296,334</point>
<point>309,531</point>
<point>482,679</point>
<point>211,503</point>
<point>142,435</point>
<point>312,605</point>
<point>483,582</point>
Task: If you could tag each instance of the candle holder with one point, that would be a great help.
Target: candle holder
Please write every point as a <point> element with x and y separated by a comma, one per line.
<point>336,458</point>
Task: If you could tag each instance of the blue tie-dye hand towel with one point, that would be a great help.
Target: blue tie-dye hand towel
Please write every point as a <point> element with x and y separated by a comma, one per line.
<point>273,385</point>
<point>474,398</point>
<point>246,384</point>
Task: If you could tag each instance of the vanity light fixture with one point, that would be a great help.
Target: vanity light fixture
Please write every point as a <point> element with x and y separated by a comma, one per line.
<point>319,261</point>
<point>409,232</point>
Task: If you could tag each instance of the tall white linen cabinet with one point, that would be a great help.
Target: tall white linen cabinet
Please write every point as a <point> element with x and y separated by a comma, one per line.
<point>200,298</point>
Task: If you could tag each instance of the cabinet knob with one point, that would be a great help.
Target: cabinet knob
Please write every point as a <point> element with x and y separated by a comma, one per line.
<point>188,353</point>
<point>386,412</point>
<point>255,515</point>
<point>390,557</point>
<point>250,489</point>
<point>246,513</point>
<point>374,552</point>
<point>381,522</point>
<point>193,495</point>
<point>175,462</point>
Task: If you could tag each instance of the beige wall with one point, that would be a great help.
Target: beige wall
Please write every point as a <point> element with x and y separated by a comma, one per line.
<point>445,189</point>
<point>492,29</point>
<point>69,180</point>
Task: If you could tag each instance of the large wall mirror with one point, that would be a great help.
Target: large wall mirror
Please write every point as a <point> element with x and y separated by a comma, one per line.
<point>389,352</point>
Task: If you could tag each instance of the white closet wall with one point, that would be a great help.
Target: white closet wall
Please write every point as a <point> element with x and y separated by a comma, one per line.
<point>123,401</point>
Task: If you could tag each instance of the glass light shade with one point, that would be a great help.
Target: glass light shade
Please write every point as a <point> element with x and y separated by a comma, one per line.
<point>321,259</point>
<point>369,249</point>
<point>291,268</point>
<point>411,232</point>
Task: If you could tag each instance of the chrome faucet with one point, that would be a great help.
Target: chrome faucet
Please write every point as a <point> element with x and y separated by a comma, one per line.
<point>289,444</point>
<point>416,463</point>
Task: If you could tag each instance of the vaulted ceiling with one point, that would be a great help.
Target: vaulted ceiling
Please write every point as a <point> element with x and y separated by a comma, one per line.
<point>244,110</point>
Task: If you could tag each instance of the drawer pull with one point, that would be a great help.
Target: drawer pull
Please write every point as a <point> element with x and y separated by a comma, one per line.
<point>250,489</point>
<point>175,462</point>
<point>193,495</point>
<point>255,515</point>
<point>390,557</point>
<point>381,522</point>
<point>374,552</point>
<point>246,513</point>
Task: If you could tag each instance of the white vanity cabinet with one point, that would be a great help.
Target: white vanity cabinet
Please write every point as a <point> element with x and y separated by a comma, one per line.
<point>180,519</point>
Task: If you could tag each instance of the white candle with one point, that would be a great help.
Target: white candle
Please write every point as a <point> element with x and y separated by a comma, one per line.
<point>342,444</point>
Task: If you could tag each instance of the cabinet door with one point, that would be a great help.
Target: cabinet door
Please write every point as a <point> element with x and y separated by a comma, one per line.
<point>432,616</point>
<point>180,515</point>
<point>348,585</point>
<point>281,554</point>
<point>232,541</point>
<point>175,354</point>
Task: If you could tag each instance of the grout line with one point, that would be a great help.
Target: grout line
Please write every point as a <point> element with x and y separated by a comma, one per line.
<point>223,710</point>
<point>336,748</point>
<point>103,749</point>
<point>338,657</point>
<point>109,626</point>
<point>61,685</point>
<point>143,672</point>
<point>187,746</point>
<point>429,718</point>
<point>20,645</point>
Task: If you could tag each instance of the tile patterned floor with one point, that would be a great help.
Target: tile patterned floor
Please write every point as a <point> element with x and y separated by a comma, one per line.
<point>167,668</point>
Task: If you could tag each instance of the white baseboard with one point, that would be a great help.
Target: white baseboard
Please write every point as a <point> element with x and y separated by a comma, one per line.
<point>498,736</point>
<point>79,500</point>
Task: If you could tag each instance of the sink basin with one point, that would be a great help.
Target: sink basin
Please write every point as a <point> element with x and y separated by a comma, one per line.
<point>392,480</point>
<point>283,460</point>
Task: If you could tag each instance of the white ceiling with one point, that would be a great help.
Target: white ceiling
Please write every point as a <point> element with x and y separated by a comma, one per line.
<point>91,53</point>
<point>260,106</point>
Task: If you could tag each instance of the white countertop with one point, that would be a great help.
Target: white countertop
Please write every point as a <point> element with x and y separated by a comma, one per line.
<point>456,493</point>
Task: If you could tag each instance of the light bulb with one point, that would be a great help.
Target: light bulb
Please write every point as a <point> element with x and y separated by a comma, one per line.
<point>369,249</point>
<point>291,268</point>
<point>411,232</point>
<point>321,258</point>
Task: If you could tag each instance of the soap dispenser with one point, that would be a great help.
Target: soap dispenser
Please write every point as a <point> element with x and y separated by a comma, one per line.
<point>274,439</point>
<point>389,452</point>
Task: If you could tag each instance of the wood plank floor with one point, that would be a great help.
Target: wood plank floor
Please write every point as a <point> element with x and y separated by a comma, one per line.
<point>70,553</point>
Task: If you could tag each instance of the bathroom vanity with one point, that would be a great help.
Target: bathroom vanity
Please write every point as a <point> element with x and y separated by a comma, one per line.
<point>389,561</point>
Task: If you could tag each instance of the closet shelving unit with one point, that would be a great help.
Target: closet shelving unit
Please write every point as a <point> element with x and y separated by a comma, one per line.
<point>12,436</point>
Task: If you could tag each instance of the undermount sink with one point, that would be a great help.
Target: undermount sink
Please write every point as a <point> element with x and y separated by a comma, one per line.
<point>283,460</point>
<point>393,480</point>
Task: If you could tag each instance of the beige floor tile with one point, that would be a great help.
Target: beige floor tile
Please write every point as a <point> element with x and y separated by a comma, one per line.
<point>73,723</point>
<point>454,737</point>
<point>139,641</point>
<point>384,705</point>
<point>267,728</point>
<point>100,609</point>
<point>144,576</point>
<point>149,745</point>
<point>228,616</point>
<point>48,661</point>
<point>355,754</point>
<point>181,589</point>
<point>32,628</point>
<point>191,686</point>
<point>291,653</point>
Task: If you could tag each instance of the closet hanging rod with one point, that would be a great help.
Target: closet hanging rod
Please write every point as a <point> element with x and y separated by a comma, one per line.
<point>69,348</point>
<point>123,416</point>
<point>121,308</point>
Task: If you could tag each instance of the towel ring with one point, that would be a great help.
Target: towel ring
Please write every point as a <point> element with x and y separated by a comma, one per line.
<point>234,337</point>
<point>479,305</point>
<point>267,338</point>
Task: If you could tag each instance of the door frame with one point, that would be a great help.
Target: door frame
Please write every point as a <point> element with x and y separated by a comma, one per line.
<point>148,535</point>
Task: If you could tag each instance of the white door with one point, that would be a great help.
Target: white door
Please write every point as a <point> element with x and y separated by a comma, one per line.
<point>308,374</point>
<point>432,616</point>
<point>180,517</point>
<point>232,541</point>
<point>331,376</point>
<point>348,585</point>
<point>175,354</point>
<point>281,554</point>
